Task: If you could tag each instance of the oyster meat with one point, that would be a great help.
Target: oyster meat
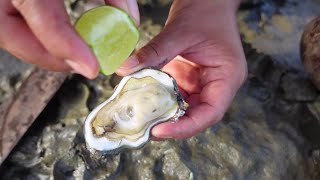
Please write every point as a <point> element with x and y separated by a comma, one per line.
<point>140,101</point>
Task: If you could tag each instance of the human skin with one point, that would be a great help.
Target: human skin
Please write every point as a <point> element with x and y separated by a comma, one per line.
<point>199,46</point>
<point>39,32</point>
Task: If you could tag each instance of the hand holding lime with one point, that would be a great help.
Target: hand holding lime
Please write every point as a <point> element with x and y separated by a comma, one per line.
<point>111,35</point>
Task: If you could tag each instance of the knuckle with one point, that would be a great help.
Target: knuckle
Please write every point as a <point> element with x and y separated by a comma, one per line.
<point>20,3</point>
<point>151,50</point>
<point>154,54</point>
<point>149,53</point>
<point>60,43</point>
<point>24,7</point>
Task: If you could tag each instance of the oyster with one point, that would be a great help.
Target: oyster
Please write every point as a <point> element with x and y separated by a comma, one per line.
<point>139,102</point>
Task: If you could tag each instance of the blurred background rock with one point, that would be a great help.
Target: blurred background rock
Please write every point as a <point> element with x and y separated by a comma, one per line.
<point>271,131</point>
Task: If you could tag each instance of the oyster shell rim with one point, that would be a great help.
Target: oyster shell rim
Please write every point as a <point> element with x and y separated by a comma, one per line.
<point>103,144</point>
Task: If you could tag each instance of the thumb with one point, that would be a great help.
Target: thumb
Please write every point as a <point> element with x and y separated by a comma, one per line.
<point>158,52</point>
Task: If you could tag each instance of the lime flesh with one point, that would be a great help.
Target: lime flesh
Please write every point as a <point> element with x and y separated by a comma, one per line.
<point>110,33</point>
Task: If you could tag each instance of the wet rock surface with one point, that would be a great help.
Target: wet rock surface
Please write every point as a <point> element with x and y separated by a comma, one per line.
<point>12,73</point>
<point>271,130</point>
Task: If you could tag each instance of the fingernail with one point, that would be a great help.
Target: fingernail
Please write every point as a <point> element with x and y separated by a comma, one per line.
<point>133,10</point>
<point>131,62</point>
<point>79,68</point>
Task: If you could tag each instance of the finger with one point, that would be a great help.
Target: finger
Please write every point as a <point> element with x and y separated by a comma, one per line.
<point>130,6</point>
<point>160,50</point>
<point>213,103</point>
<point>19,40</point>
<point>49,22</point>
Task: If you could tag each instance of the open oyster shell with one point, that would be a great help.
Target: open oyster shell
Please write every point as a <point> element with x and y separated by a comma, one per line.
<point>140,101</point>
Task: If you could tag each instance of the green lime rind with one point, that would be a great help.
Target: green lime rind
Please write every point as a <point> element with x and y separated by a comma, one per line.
<point>110,33</point>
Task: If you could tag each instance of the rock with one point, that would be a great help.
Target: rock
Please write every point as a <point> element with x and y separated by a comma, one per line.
<point>298,88</point>
<point>264,74</point>
<point>310,50</point>
<point>265,69</point>
<point>314,161</point>
<point>314,108</point>
<point>12,73</point>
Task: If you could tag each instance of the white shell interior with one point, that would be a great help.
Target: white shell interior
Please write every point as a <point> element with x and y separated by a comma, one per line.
<point>104,144</point>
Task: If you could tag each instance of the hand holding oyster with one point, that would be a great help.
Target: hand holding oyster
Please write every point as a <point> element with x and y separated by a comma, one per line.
<point>141,101</point>
<point>210,69</point>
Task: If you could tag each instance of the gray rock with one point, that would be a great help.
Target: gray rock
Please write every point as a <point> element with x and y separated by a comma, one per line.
<point>12,73</point>
<point>298,88</point>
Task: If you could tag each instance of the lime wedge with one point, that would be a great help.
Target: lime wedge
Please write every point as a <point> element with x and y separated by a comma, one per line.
<point>110,33</point>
